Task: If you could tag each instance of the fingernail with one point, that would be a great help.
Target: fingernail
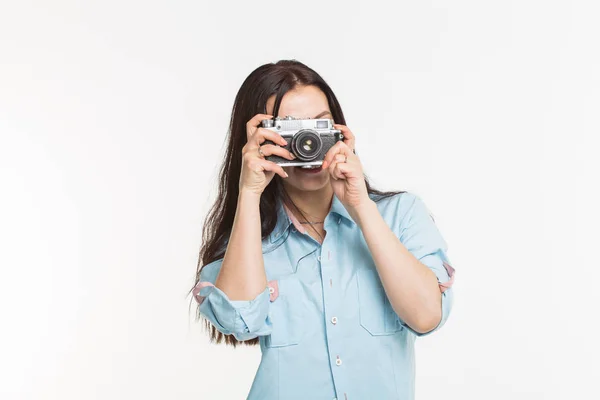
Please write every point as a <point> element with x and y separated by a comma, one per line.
<point>286,174</point>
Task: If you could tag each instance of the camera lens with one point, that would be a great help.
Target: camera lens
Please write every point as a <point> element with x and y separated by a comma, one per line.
<point>306,145</point>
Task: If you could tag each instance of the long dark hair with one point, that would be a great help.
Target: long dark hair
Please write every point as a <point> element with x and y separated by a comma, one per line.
<point>264,82</point>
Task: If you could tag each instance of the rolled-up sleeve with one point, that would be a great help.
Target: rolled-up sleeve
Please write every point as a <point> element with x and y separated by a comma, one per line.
<point>422,238</point>
<point>244,319</point>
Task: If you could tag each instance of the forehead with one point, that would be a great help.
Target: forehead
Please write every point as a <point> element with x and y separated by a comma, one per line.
<point>303,101</point>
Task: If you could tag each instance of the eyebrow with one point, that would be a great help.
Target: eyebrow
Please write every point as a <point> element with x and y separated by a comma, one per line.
<point>322,114</point>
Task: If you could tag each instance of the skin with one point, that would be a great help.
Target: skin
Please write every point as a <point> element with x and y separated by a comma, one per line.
<point>312,193</point>
<point>411,287</point>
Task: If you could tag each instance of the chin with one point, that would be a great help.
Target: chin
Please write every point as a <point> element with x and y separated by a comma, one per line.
<point>307,184</point>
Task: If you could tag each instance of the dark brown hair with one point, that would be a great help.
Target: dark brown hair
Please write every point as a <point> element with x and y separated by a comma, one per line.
<point>251,99</point>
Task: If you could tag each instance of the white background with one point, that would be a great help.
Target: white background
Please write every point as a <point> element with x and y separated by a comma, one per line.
<point>112,121</point>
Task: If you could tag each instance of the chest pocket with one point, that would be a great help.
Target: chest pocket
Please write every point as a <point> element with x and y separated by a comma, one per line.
<point>287,312</point>
<point>375,311</point>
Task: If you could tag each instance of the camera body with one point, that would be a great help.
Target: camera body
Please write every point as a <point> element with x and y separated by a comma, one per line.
<point>308,139</point>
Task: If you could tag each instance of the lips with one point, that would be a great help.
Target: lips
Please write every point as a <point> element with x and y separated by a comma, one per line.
<point>308,170</point>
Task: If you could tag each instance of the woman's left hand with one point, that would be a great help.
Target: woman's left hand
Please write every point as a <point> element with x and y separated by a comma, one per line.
<point>345,171</point>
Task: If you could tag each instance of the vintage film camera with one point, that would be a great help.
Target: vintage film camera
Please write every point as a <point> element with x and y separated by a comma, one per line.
<point>308,139</point>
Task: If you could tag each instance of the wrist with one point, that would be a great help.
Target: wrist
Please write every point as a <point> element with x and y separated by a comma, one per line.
<point>248,195</point>
<point>363,211</point>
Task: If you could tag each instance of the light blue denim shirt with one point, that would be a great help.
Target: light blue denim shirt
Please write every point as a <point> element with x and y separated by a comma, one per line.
<point>326,327</point>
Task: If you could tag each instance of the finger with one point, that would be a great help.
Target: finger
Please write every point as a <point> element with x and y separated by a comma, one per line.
<point>337,169</point>
<point>349,137</point>
<point>338,148</point>
<point>340,157</point>
<point>270,149</point>
<point>337,162</point>
<point>267,165</point>
<point>341,169</point>
<point>254,122</point>
<point>263,134</point>
<point>331,169</point>
<point>330,155</point>
<point>337,173</point>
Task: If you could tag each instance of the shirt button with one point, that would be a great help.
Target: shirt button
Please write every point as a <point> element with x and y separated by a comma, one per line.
<point>319,258</point>
<point>338,361</point>
<point>271,290</point>
<point>334,320</point>
<point>339,220</point>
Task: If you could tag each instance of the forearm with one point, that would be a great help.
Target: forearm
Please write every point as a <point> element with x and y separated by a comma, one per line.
<point>242,275</point>
<point>411,287</point>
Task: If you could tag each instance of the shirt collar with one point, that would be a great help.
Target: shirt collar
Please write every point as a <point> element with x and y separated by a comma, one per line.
<point>285,217</point>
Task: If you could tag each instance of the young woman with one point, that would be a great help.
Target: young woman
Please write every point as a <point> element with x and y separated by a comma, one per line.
<point>332,278</point>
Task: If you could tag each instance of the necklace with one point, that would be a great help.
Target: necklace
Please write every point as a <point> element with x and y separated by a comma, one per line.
<point>312,223</point>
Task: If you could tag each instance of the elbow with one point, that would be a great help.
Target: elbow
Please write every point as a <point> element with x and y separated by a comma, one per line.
<point>251,316</point>
<point>428,322</point>
<point>243,318</point>
<point>431,317</point>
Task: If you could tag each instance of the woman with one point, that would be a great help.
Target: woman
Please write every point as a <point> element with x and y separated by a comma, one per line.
<point>332,278</point>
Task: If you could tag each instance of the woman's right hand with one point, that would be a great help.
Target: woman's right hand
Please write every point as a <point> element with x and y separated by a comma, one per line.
<point>257,172</point>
